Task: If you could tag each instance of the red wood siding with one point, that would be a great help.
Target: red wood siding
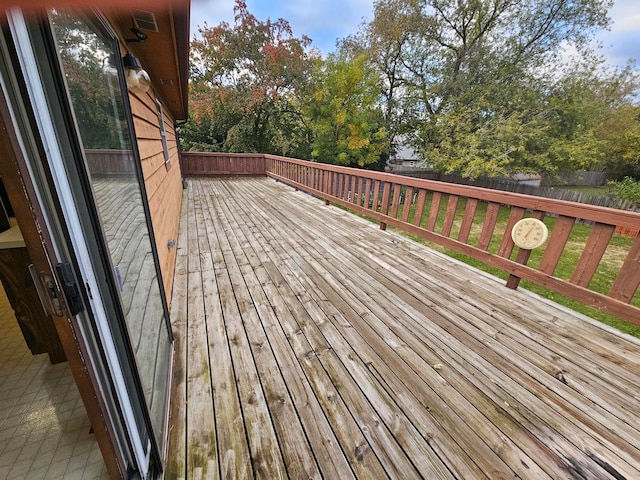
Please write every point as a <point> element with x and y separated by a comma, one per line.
<point>163,181</point>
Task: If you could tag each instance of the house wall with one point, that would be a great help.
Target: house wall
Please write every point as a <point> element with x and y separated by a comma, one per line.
<point>163,182</point>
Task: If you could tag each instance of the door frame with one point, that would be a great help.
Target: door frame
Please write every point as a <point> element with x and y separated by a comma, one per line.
<point>55,235</point>
<point>25,200</point>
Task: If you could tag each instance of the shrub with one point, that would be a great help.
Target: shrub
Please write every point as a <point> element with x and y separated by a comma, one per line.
<point>627,189</point>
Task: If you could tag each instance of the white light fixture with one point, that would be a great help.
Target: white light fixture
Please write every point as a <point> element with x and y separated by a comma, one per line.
<point>138,80</point>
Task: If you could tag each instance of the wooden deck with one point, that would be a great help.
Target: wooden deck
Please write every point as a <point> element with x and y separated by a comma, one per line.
<point>310,344</point>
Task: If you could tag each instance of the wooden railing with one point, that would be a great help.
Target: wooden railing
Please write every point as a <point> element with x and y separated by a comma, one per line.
<point>195,163</point>
<point>465,219</point>
<point>110,162</point>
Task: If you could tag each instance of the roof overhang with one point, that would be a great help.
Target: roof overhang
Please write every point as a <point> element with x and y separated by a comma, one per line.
<point>165,53</point>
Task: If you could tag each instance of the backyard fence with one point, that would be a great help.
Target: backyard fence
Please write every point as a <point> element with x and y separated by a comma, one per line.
<point>223,164</point>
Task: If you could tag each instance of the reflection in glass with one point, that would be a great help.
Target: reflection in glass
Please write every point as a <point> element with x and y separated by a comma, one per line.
<point>87,59</point>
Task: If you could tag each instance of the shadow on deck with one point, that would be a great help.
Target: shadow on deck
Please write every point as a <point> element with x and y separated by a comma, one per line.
<point>312,345</point>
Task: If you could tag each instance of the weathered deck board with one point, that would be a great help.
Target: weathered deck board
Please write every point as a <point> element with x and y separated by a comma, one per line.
<point>176,465</point>
<point>200,421</point>
<point>298,319</point>
<point>336,350</point>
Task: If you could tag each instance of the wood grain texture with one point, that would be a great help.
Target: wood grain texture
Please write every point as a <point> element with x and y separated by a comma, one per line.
<point>376,195</point>
<point>38,330</point>
<point>420,201</point>
<point>163,186</point>
<point>395,202</point>
<point>506,245</point>
<point>577,290</point>
<point>583,211</point>
<point>588,297</point>
<point>592,254</point>
<point>338,351</point>
<point>467,220</point>
<point>522,257</point>
<point>628,279</point>
<point>43,327</point>
<point>434,209</point>
<point>557,241</point>
<point>489,225</point>
<point>449,216</point>
<point>177,452</point>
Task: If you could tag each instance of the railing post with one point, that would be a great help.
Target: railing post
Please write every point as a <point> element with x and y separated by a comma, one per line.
<point>327,181</point>
<point>385,203</point>
<point>522,257</point>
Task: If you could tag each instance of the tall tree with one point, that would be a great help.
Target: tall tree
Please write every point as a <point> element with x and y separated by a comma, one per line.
<point>343,112</point>
<point>85,60</point>
<point>619,134</point>
<point>387,41</point>
<point>244,79</point>
<point>468,75</point>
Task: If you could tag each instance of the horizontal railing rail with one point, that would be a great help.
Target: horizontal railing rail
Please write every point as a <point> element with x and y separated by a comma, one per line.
<point>466,219</point>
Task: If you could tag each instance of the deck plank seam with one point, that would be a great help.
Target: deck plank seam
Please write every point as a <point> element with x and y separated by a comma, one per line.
<point>354,299</point>
<point>230,196</point>
<point>227,221</point>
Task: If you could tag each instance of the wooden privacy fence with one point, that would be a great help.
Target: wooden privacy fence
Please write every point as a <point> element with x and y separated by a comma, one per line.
<point>465,219</point>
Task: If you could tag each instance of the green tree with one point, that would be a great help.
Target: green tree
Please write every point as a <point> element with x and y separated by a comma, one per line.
<point>471,77</point>
<point>387,42</point>
<point>343,112</point>
<point>244,81</point>
<point>627,189</point>
<point>619,134</point>
<point>586,114</point>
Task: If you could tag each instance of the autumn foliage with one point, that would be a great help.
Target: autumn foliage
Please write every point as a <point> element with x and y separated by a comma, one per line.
<point>472,87</point>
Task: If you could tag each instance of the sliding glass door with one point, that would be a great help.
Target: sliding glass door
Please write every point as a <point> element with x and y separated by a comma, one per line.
<point>89,64</point>
<point>74,78</point>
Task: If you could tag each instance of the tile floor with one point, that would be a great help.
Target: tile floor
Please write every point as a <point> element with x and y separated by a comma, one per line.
<point>44,429</point>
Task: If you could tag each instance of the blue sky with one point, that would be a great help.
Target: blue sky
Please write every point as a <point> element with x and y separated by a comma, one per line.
<point>324,21</point>
<point>327,20</point>
<point>623,41</point>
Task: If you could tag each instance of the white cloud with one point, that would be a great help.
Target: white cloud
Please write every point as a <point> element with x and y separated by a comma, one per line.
<point>622,42</point>
<point>625,15</point>
<point>210,11</point>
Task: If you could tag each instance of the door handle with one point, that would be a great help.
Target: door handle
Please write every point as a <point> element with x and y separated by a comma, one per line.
<point>70,288</point>
<point>51,297</point>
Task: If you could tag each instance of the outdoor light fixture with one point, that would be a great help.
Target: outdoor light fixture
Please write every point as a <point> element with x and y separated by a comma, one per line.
<point>138,80</point>
<point>140,36</point>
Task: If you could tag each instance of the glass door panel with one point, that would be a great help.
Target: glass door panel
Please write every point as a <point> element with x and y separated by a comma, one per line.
<point>89,61</point>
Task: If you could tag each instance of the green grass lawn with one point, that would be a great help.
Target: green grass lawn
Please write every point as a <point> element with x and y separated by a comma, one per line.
<point>602,280</point>
<point>598,191</point>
